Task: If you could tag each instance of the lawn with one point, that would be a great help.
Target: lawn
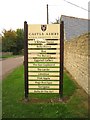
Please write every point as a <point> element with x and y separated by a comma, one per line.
<point>74,104</point>
<point>9,56</point>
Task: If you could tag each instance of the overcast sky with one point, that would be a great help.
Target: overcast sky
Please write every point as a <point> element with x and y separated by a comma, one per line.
<point>13,13</point>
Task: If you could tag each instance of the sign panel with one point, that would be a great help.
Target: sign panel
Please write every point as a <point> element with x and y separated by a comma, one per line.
<point>43,91</point>
<point>42,64</point>
<point>36,78</point>
<point>43,58</point>
<point>43,82</point>
<point>50,31</point>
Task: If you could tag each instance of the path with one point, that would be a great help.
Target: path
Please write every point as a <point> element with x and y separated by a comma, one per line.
<point>9,64</point>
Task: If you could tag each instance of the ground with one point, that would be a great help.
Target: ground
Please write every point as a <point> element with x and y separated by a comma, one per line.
<point>73,105</point>
<point>7,65</point>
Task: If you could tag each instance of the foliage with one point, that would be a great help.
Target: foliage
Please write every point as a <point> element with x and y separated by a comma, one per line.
<point>20,40</point>
<point>12,41</point>
<point>8,41</point>
<point>57,21</point>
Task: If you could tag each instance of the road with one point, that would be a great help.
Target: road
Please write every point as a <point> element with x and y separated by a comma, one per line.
<point>7,65</point>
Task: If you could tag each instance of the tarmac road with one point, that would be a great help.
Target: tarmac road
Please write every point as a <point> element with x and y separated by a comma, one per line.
<point>7,65</point>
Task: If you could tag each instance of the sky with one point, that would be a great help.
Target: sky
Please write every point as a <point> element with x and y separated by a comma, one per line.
<point>13,13</point>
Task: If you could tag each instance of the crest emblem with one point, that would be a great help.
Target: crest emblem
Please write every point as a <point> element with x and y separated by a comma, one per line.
<point>43,27</point>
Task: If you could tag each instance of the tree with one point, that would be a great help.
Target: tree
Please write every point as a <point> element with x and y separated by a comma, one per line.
<point>20,40</point>
<point>57,21</point>
<point>13,41</point>
<point>8,41</point>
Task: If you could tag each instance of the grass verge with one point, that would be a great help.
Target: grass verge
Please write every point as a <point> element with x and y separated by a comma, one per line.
<point>14,106</point>
<point>9,56</point>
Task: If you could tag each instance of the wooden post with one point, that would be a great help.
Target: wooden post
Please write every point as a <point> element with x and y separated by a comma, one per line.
<point>26,58</point>
<point>47,15</point>
<point>61,57</point>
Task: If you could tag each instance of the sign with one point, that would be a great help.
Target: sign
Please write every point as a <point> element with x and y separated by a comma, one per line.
<point>36,33</point>
<point>42,58</point>
<point>43,52</point>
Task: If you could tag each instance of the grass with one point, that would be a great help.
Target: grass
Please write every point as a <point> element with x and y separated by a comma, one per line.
<point>9,56</point>
<point>14,106</point>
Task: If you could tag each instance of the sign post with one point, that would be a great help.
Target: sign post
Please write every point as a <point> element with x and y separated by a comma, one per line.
<point>43,58</point>
<point>26,58</point>
<point>61,57</point>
